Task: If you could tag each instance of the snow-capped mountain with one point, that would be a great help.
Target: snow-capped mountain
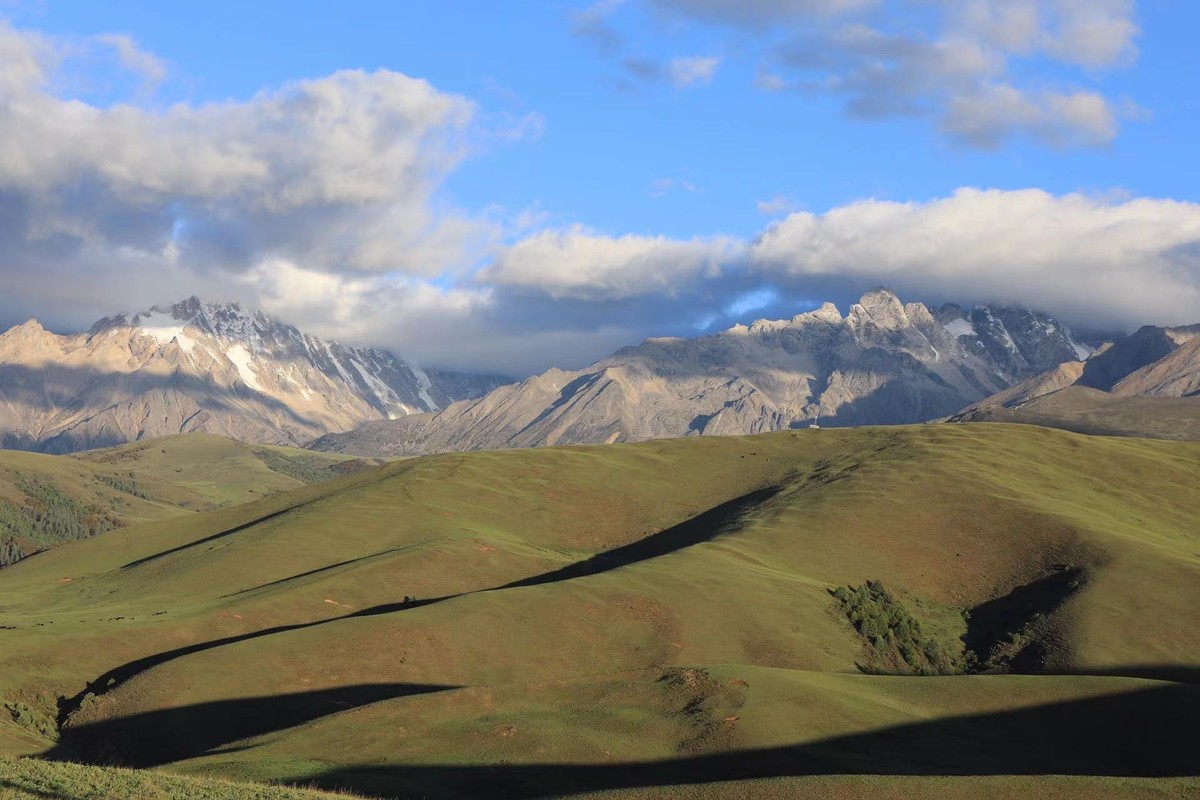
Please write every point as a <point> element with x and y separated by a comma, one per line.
<point>884,362</point>
<point>196,366</point>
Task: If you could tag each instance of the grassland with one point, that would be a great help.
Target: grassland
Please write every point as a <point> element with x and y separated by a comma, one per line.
<point>641,619</point>
<point>48,500</point>
<point>31,779</point>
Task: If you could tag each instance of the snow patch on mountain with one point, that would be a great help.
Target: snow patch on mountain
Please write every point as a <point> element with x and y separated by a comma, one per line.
<point>959,327</point>
<point>423,386</point>
<point>164,328</point>
<point>244,362</point>
<point>301,387</point>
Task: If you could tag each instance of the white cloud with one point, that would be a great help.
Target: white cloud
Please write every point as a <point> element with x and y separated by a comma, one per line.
<point>692,71</point>
<point>580,264</point>
<point>953,61</point>
<point>659,187</point>
<point>146,65</point>
<point>994,113</point>
<point>1099,260</point>
<point>776,205</point>
<point>757,13</point>
<point>1092,33</point>
<point>338,171</point>
<point>1124,262</point>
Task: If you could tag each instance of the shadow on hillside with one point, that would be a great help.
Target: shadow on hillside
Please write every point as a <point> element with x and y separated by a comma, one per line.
<point>67,388</point>
<point>173,734</point>
<point>208,539</point>
<point>701,528</point>
<point>1149,733</point>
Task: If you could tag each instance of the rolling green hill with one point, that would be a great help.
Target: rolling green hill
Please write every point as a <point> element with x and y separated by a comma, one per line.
<point>46,500</point>
<point>34,779</point>
<point>638,619</point>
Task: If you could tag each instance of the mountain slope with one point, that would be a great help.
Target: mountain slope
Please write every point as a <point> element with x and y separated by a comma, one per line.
<point>1147,384</point>
<point>545,622</point>
<point>883,363</point>
<point>1053,380</point>
<point>47,500</point>
<point>1091,411</point>
<point>1175,375</point>
<point>202,367</point>
<point>1140,349</point>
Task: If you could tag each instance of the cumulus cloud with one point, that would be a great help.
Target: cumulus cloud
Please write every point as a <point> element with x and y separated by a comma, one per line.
<point>319,200</point>
<point>580,264</point>
<point>1095,261</point>
<point>957,62</point>
<point>341,171</point>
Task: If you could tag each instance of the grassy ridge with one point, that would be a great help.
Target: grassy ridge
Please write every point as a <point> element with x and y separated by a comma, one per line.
<point>29,779</point>
<point>48,500</point>
<point>583,614</point>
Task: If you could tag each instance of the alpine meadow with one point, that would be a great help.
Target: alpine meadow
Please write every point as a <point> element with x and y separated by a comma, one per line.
<point>613,399</point>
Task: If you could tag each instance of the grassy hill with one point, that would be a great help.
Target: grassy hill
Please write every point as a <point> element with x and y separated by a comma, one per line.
<point>1091,411</point>
<point>636,619</point>
<point>32,779</point>
<point>46,500</point>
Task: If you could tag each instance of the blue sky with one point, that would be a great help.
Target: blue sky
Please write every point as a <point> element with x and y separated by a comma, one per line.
<point>646,145</point>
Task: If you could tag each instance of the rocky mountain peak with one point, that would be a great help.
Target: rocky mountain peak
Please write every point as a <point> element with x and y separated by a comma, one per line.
<point>30,327</point>
<point>218,368</point>
<point>828,313</point>
<point>880,307</point>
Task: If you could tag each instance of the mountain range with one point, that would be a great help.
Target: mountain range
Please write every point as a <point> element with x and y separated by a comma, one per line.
<point>203,367</point>
<point>223,369</point>
<point>884,362</point>
<point>1146,384</point>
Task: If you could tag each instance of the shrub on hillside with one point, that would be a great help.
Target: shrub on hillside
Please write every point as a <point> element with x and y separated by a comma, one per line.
<point>47,517</point>
<point>895,641</point>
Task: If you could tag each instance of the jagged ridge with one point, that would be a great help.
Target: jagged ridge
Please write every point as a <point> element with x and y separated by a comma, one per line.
<point>883,363</point>
<point>196,366</point>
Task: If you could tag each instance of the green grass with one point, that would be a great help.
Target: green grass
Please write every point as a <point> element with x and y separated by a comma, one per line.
<point>892,787</point>
<point>543,668</point>
<point>221,471</point>
<point>30,779</point>
<point>48,500</point>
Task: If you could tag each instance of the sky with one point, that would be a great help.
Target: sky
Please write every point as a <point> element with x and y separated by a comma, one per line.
<point>511,186</point>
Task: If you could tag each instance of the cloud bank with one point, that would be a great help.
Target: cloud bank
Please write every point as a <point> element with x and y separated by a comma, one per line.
<point>1094,261</point>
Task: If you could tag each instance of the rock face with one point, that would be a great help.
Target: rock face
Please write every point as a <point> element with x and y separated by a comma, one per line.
<point>1053,380</point>
<point>884,362</point>
<point>1140,349</point>
<point>200,367</point>
<point>1150,364</point>
<point>1174,375</point>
